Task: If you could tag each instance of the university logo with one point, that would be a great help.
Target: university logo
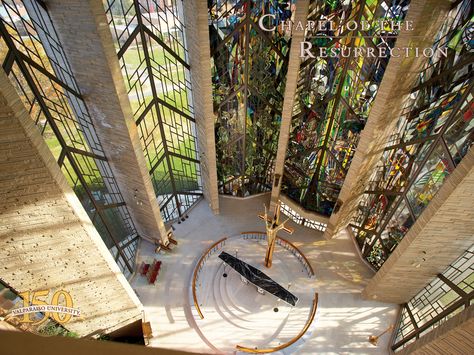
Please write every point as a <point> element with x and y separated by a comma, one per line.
<point>59,307</point>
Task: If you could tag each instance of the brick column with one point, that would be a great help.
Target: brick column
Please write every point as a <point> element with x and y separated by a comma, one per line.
<point>47,241</point>
<point>442,233</point>
<point>86,38</point>
<point>301,16</point>
<point>197,43</point>
<point>398,79</point>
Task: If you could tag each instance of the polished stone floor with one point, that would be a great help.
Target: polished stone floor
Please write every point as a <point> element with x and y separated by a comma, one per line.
<point>344,320</point>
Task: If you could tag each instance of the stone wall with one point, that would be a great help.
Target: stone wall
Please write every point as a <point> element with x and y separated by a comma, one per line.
<point>197,40</point>
<point>47,241</point>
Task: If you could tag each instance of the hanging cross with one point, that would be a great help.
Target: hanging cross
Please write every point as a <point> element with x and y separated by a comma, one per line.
<point>272,226</point>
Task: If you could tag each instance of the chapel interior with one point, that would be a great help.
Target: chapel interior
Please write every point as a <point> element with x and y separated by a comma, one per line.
<point>180,176</point>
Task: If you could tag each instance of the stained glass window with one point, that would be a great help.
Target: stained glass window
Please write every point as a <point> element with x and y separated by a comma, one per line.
<point>434,133</point>
<point>249,68</point>
<point>335,94</point>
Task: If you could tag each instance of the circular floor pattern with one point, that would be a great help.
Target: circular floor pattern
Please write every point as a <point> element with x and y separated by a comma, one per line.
<point>235,313</point>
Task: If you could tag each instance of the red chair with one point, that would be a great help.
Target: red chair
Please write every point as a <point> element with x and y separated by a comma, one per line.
<point>144,268</point>
<point>153,271</point>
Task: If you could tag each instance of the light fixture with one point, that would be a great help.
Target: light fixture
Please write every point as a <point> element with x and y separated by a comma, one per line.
<point>422,259</point>
<point>374,339</point>
<point>276,181</point>
<point>135,197</point>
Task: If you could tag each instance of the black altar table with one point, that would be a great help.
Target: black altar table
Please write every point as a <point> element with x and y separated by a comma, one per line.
<point>258,278</point>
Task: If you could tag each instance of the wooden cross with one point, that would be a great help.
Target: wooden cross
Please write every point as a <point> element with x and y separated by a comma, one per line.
<point>272,226</point>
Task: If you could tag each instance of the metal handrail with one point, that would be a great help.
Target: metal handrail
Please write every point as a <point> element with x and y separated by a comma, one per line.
<point>292,341</point>
<point>196,270</point>
<point>311,270</point>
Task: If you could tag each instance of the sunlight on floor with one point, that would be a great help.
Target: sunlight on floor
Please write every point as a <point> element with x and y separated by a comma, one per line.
<point>343,322</point>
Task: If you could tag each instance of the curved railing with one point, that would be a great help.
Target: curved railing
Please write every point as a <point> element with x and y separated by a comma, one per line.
<point>305,261</point>
<point>198,268</point>
<point>287,245</point>
<point>292,341</point>
<point>246,235</point>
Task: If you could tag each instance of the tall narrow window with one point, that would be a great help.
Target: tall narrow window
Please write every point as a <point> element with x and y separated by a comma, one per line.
<point>336,90</point>
<point>150,43</point>
<point>435,131</point>
<point>249,67</point>
<point>445,296</point>
<point>32,56</point>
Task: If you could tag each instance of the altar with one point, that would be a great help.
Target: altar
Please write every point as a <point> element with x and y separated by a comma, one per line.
<point>258,278</point>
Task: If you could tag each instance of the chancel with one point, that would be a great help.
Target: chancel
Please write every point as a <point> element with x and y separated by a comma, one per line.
<point>139,140</point>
